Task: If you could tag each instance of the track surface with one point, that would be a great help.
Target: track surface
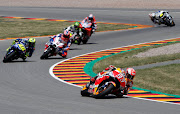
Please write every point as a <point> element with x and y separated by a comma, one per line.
<point>27,87</point>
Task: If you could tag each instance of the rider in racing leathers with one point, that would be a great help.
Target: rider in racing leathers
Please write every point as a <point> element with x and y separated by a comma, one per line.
<point>158,16</point>
<point>91,19</point>
<point>29,45</point>
<point>75,30</point>
<point>129,74</point>
<point>66,39</point>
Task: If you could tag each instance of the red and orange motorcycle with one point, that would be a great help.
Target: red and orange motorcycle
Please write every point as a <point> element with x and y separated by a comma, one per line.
<point>109,83</point>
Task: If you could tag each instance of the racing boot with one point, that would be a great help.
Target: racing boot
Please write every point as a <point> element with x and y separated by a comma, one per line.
<point>24,57</point>
<point>64,54</point>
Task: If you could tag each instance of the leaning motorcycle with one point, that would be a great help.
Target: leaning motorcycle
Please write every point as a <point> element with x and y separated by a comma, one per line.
<point>86,30</point>
<point>16,51</point>
<point>52,48</point>
<point>105,85</point>
<point>165,19</point>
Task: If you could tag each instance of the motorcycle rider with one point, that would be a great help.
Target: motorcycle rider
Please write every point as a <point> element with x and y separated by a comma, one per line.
<point>29,45</point>
<point>75,30</point>
<point>66,39</point>
<point>129,74</point>
<point>91,19</point>
<point>158,16</point>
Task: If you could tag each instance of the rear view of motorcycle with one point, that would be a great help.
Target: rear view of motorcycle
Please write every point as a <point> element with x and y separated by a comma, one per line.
<point>16,51</point>
<point>52,48</point>
<point>87,31</point>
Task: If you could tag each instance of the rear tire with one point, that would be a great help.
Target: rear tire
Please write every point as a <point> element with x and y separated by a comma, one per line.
<point>84,41</point>
<point>45,54</point>
<point>79,41</point>
<point>172,24</point>
<point>85,93</point>
<point>9,57</point>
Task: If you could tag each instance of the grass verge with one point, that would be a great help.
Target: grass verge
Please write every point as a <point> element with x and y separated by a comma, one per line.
<point>11,27</point>
<point>164,79</point>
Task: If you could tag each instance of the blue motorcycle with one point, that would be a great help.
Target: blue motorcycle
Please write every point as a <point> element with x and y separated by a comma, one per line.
<point>16,51</point>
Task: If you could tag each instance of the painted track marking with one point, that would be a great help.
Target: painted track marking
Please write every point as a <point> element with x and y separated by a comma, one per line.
<point>71,71</point>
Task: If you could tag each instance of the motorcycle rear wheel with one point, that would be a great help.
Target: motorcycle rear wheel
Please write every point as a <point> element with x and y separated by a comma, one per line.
<point>84,41</point>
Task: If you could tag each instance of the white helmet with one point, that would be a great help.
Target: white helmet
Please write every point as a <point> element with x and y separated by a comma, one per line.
<point>90,16</point>
<point>131,73</point>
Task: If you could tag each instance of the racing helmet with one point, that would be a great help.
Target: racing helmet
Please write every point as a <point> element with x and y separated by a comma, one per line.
<point>31,42</point>
<point>18,40</point>
<point>91,17</point>
<point>130,73</point>
<point>66,34</point>
<point>76,25</point>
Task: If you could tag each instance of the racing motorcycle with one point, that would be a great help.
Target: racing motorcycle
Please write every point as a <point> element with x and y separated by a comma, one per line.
<point>86,30</point>
<point>16,51</point>
<point>52,48</point>
<point>106,84</point>
<point>166,19</point>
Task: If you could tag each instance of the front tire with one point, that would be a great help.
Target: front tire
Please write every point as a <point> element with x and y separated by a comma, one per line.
<point>104,92</point>
<point>9,57</point>
<point>45,54</point>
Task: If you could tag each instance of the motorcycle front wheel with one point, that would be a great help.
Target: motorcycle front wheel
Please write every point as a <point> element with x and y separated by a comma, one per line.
<point>45,54</point>
<point>101,93</point>
<point>9,57</point>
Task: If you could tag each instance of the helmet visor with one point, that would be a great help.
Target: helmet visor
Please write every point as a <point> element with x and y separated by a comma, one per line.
<point>129,76</point>
<point>66,36</point>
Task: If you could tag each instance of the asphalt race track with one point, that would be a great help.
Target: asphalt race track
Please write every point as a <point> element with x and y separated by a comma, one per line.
<point>28,88</point>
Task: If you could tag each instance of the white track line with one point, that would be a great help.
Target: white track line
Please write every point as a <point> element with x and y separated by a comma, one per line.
<point>52,74</point>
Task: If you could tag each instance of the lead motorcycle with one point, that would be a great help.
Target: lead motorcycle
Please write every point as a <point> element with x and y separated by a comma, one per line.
<point>86,31</point>
<point>52,48</point>
<point>166,19</point>
<point>16,51</point>
<point>106,84</point>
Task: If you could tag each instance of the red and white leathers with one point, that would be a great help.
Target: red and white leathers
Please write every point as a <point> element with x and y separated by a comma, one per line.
<point>65,41</point>
<point>92,20</point>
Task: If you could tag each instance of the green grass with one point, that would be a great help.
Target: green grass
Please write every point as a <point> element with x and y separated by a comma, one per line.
<point>163,79</point>
<point>12,28</point>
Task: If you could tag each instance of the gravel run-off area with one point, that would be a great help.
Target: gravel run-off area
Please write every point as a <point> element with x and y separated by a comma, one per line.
<point>170,49</point>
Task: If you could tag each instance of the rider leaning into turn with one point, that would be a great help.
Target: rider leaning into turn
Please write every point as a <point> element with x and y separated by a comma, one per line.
<point>91,19</point>
<point>64,38</point>
<point>129,75</point>
<point>74,29</point>
<point>158,16</point>
<point>29,45</point>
